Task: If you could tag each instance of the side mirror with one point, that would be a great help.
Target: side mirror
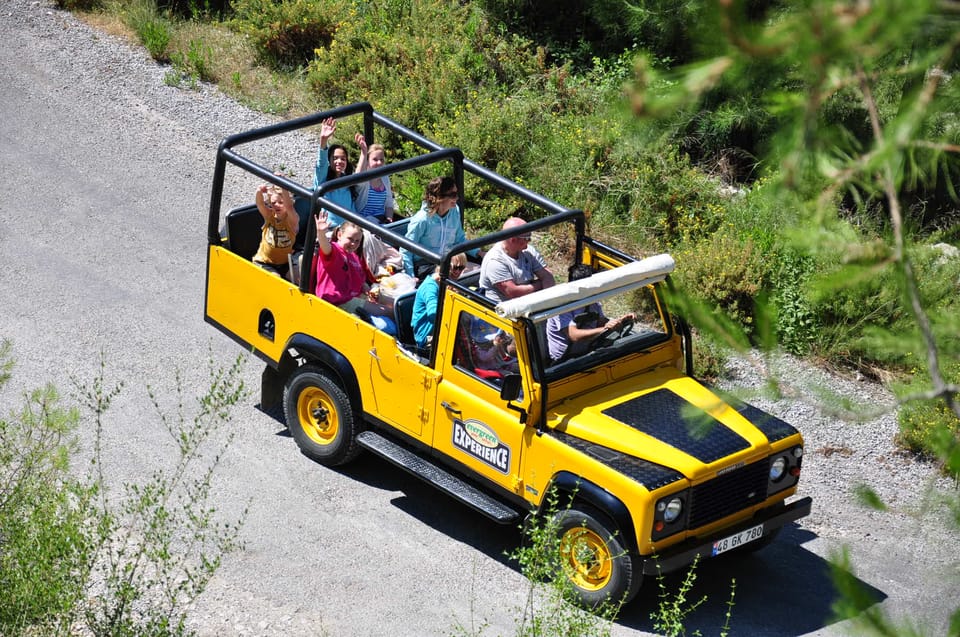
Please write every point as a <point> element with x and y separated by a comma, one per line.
<point>510,391</point>
<point>511,387</point>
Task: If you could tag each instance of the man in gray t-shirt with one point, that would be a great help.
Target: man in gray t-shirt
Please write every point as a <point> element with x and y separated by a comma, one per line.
<point>513,267</point>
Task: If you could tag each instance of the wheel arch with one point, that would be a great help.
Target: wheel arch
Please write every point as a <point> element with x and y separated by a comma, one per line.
<point>306,350</point>
<point>580,490</point>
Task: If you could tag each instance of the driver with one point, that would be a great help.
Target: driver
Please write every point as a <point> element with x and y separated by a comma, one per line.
<point>570,334</point>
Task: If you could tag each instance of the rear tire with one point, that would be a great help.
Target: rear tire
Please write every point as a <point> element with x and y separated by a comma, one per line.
<point>594,559</point>
<point>320,417</point>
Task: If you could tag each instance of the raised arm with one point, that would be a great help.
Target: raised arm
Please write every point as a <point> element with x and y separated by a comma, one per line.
<point>327,128</point>
<point>290,217</point>
<point>362,145</point>
<point>265,211</point>
<point>323,224</point>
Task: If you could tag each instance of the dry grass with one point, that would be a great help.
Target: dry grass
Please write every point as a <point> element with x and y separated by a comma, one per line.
<point>109,23</point>
<point>230,62</point>
<point>236,71</point>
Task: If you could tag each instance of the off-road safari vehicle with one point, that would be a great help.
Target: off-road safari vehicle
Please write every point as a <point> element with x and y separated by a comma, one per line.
<point>659,468</point>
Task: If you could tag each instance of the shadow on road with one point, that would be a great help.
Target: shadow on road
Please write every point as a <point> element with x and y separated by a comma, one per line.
<point>782,591</point>
<point>445,514</point>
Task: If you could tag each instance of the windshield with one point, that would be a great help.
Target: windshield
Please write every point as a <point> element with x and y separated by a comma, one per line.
<point>599,329</point>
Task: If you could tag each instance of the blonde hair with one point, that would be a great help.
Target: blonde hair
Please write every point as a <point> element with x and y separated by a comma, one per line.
<point>459,259</point>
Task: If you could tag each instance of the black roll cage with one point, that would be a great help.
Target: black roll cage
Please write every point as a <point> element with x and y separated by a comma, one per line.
<point>226,153</point>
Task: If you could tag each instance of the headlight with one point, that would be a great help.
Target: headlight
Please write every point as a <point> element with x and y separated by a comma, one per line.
<point>669,515</point>
<point>777,468</point>
<point>672,509</point>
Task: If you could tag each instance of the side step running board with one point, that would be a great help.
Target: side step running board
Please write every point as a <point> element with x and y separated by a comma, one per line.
<point>443,480</point>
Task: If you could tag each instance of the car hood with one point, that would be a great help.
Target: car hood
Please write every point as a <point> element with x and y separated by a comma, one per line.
<point>673,421</point>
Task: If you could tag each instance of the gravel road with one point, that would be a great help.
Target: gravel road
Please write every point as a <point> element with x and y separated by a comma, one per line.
<point>107,173</point>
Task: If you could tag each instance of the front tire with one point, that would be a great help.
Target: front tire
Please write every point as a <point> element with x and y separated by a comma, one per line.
<point>594,559</point>
<point>320,417</point>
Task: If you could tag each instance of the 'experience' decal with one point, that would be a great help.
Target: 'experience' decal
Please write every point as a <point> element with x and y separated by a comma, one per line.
<point>478,440</point>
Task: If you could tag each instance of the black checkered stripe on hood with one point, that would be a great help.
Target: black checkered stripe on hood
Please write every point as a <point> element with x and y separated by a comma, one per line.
<point>650,475</point>
<point>669,418</point>
<point>771,426</point>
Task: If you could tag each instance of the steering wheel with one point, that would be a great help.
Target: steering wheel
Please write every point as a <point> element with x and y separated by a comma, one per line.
<point>608,337</point>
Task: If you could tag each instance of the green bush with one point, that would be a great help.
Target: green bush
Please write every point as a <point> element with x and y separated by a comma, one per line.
<point>487,126</point>
<point>709,356</point>
<point>195,62</point>
<point>152,28</point>
<point>75,559</point>
<point>155,36</point>
<point>419,63</point>
<point>862,311</point>
<point>930,428</point>
<point>48,522</point>
<point>286,33</point>
<point>796,322</point>
<point>726,272</point>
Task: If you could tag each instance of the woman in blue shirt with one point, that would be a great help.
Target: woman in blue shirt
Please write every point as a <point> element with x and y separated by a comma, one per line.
<point>437,226</point>
<point>333,162</point>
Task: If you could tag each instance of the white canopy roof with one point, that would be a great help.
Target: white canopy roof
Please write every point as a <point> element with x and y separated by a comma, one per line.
<point>632,275</point>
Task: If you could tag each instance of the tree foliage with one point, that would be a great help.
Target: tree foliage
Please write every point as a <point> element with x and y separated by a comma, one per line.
<point>860,132</point>
<point>78,558</point>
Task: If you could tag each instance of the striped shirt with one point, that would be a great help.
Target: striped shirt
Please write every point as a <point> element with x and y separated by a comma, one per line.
<point>375,203</point>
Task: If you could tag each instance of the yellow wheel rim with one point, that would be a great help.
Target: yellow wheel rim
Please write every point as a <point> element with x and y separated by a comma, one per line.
<point>318,415</point>
<point>586,558</point>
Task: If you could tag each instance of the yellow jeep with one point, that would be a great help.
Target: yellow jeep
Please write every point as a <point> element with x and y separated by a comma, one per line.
<point>658,469</point>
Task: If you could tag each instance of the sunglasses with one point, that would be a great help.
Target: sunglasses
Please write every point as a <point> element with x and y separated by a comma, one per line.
<point>525,237</point>
<point>449,195</point>
<point>457,268</point>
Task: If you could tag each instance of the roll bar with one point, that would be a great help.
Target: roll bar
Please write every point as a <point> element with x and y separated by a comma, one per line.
<point>228,153</point>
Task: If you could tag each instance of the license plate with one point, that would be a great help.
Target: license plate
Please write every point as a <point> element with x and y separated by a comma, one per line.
<point>738,539</point>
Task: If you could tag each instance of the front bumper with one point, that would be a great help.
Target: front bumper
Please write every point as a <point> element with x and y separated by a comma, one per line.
<point>685,553</point>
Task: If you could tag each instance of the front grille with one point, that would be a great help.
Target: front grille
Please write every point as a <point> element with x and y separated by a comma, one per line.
<point>728,493</point>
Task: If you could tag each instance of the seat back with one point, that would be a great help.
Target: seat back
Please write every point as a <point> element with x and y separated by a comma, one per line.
<point>402,315</point>
<point>400,225</point>
<point>244,229</point>
<point>463,346</point>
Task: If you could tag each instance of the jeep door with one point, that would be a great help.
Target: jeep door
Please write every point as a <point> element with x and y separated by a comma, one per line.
<point>402,389</point>
<point>474,426</point>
